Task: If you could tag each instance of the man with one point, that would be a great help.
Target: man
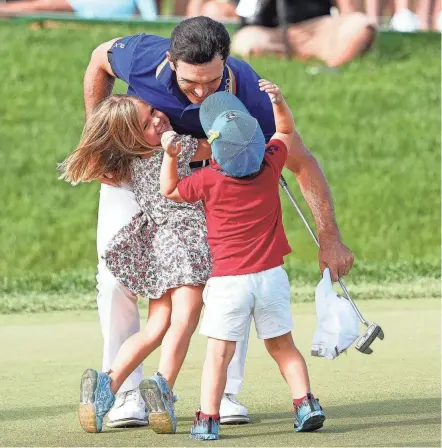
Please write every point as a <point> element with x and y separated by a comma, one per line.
<point>312,33</point>
<point>176,75</point>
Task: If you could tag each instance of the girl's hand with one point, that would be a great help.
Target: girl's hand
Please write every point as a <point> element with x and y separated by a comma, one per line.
<point>170,143</point>
<point>271,89</point>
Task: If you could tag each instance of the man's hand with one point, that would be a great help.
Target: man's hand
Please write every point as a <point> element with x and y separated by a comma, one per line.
<point>336,256</point>
<point>170,143</point>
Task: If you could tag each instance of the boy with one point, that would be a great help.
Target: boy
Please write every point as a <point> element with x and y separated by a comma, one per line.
<point>240,193</point>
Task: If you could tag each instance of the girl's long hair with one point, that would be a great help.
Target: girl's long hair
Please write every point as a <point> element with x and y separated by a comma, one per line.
<point>112,137</point>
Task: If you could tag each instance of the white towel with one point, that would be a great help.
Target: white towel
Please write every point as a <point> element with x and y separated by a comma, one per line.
<point>338,324</point>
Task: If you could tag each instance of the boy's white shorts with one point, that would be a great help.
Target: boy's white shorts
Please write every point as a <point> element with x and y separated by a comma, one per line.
<point>231,300</point>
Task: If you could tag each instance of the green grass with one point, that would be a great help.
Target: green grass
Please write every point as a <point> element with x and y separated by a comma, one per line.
<point>391,398</point>
<point>374,125</point>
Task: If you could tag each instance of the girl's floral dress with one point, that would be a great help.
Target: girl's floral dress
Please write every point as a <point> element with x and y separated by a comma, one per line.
<point>164,246</point>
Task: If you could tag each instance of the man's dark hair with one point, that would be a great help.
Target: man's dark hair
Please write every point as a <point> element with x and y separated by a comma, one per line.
<point>198,40</point>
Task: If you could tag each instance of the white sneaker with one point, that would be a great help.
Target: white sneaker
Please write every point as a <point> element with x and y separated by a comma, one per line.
<point>405,21</point>
<point>231,411</point>
<point>129,410</point>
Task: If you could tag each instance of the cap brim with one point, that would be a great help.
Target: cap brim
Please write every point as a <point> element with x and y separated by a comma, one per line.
<point>216,104</point>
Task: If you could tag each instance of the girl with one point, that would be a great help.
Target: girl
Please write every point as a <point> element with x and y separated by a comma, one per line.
<point>161,254</point>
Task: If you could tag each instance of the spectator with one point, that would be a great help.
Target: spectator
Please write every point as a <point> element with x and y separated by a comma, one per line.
<point>313,33</point>
<point>88,9</point>
<point>425,16</point>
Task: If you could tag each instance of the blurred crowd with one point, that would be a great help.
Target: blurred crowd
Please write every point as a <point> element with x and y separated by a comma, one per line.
<point>403,15</point>
<point>333,31</point>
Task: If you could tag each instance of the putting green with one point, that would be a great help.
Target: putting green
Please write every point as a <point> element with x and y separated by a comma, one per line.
<point>391,398</point>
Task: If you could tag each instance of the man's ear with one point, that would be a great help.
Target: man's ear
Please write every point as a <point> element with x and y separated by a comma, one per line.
<point>171,63</point>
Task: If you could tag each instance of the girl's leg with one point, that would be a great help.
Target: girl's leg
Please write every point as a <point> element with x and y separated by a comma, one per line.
<point>291,364</point>
<point>187,302</point>
<point>218,356</point>
<point>141,344</point>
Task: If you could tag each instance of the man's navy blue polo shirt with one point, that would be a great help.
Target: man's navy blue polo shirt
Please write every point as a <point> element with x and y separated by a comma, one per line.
<point>141,62</point>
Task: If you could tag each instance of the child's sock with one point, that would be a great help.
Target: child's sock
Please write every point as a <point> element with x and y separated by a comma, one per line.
<point>298,401</point>
<point>212,416</point>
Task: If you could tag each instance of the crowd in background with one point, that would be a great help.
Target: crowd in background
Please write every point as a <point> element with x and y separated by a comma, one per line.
<point>401,15</point>
<point>332,31</point>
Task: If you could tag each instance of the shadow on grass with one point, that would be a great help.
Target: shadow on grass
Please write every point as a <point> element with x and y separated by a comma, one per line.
<point>371,409</point>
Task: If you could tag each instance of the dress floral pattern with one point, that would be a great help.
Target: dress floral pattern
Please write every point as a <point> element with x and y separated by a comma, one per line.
<point>165,244</point>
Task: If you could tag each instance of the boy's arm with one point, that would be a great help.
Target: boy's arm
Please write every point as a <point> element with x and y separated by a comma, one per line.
<point>285,127</point>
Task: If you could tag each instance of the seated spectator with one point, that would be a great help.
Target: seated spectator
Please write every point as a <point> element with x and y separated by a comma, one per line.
<point>313,33</point>
<point>88,9</point>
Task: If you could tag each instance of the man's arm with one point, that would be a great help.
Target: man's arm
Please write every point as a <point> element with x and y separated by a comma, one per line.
<point>99,78</point>
<point>314,187</point>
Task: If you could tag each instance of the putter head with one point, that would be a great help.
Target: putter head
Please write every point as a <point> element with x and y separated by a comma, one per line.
<point>363,343</point>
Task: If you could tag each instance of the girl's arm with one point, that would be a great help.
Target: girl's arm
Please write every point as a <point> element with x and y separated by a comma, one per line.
<point>285,126</point>
<point>169,170</point>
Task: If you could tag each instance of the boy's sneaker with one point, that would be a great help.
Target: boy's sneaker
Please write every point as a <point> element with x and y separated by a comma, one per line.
<point>309,415</point>
<point>204,428</point>
<point>129,410</point>
<point>96,399</point>
<point>159,400</point>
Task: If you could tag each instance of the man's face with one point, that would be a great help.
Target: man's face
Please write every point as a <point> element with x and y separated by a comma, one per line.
<point>197,82</point>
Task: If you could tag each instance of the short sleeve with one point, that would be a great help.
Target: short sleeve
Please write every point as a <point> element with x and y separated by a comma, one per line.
<point>276,155</point>
<point>121,56</point>
<point>191,188</point>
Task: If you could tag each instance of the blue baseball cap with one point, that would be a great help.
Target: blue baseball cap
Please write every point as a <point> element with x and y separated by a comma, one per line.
<point>237,141</point>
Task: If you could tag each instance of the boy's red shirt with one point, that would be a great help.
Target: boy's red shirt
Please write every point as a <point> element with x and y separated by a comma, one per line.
<point>244,218</point>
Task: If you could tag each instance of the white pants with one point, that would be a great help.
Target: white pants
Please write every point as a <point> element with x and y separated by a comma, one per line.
<point>118,307</point>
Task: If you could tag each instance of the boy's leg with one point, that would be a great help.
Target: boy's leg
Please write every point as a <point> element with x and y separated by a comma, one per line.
<point>231,411</point>
<point>308,413</point>
<point>218,356</point>
<point>273,322</point>
<point>117,306</point>
<point>219,353</point>
<point>228,307</point>
<point>291,364</point>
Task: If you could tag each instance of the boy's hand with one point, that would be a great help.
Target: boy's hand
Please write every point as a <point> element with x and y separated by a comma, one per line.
<point>170,143</point>
<point>271,89</point>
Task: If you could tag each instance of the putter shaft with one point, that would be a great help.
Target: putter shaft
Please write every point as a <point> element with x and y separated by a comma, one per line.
<point>284,185</point>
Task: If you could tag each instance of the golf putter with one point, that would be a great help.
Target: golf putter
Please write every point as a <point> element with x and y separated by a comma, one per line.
<point>373,330</point>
